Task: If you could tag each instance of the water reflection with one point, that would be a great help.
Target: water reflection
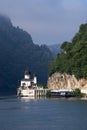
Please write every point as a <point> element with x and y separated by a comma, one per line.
<point>27,99</point>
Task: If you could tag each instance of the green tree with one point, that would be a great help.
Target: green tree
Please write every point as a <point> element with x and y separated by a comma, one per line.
<point>77,93</point>
<point>48,94</point>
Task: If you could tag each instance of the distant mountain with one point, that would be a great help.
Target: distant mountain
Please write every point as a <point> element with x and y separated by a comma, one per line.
<point>18,53</point>
<point>55,48</point>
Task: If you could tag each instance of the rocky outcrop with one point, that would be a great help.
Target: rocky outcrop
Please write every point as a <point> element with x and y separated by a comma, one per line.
<point>65,81</point>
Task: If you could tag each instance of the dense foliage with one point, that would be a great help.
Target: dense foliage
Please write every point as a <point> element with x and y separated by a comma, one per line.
<point>48,94</point>
<point>73,58</point>
<point>17,53</point>
<point>77,93</point>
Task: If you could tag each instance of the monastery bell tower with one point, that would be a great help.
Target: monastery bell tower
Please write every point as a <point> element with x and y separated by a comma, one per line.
<point>27,74</point>
<point>35,79</point>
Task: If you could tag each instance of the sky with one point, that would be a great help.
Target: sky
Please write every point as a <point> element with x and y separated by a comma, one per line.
<point>47,21</point>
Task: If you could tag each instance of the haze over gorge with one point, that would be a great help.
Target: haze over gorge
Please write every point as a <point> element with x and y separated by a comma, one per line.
<point>18,53</point>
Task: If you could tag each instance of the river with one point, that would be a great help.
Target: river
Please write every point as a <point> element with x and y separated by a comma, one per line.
<point>42,114</point>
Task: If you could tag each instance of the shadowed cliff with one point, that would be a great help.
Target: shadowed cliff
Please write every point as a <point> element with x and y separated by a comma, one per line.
<point>18,53</point>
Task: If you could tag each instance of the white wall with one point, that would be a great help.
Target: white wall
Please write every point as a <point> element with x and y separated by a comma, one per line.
<point>27,83</point>
<point>35,80</point>
<point>28,92</point>
<point>26,76</point>
<point>84,91</point>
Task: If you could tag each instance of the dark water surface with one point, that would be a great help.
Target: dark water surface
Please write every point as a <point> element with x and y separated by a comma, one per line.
<point>42,114</point>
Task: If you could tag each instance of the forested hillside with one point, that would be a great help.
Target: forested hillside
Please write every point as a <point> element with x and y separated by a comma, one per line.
<point>18,53</point>
<point>73,59</point>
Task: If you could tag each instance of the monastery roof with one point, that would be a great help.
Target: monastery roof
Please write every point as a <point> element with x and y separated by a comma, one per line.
<point>26,80</point>
<point>35,74</point>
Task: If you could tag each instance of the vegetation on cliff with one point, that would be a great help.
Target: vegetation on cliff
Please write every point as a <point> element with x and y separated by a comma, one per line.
<point>17,53</point>
<point>73,58</point>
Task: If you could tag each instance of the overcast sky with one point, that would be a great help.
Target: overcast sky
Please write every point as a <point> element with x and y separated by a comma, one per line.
<point>48,21</point>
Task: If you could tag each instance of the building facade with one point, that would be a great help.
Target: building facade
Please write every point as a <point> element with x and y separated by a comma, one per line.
<point>28,82</point>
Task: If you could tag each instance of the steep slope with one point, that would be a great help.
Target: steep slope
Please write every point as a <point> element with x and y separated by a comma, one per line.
<point>73,59</point>
<point>66,81</point>
<point>17,53</point>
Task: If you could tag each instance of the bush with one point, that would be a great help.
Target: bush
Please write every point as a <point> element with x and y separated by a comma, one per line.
<point>48,94</point>
<point>77,93</point>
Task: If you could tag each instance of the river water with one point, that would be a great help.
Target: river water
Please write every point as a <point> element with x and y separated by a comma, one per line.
<point>42,114</point>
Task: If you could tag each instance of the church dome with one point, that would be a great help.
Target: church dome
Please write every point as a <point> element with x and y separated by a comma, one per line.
<point>27,72</point>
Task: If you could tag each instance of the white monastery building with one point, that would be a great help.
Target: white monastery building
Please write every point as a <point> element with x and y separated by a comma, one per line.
<point>27,82</point>
<point>28,86</point>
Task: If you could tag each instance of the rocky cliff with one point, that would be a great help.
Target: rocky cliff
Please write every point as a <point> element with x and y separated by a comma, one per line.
<point>65,81</point>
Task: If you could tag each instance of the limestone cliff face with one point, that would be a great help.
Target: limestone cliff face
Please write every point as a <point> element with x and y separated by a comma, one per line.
<point>65,81</point>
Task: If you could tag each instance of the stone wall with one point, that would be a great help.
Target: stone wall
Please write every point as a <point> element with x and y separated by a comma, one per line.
<point>65,81</point>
